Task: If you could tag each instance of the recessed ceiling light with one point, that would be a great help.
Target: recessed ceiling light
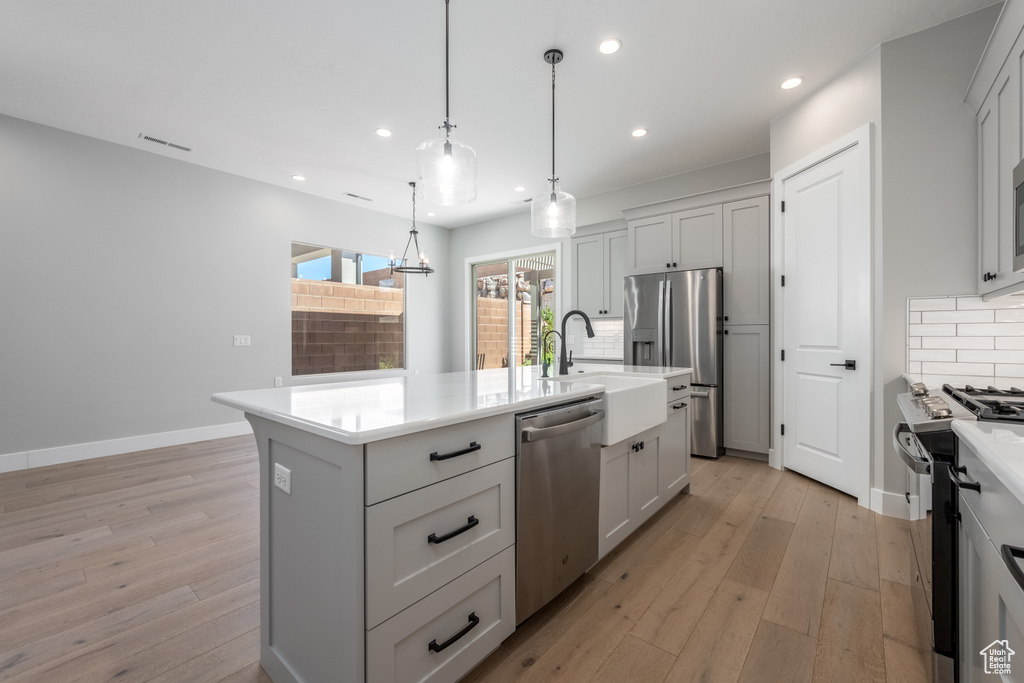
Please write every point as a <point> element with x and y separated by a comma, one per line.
<point>791,83</point>
<point>519,188</point>
<point>383,132</point>
<point>296,176</point>
<point>431,213</point>
<point>609,46</point>
<point>639,132</point>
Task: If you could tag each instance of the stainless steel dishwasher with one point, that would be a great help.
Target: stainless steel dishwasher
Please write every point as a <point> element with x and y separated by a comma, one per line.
<point>558,480</point>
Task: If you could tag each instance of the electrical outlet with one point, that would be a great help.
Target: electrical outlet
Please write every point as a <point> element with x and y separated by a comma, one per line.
<point>243,340</point>
<point>278,382</point>
<point>283,478</point>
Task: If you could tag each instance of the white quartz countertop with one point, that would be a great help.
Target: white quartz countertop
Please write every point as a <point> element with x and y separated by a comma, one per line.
<point>1000,446</point>
<point>362,411</point>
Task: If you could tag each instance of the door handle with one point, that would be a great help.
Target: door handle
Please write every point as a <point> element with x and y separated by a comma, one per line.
<point>1010,553</point>
<point>538,433</point>
<point>848,365</point>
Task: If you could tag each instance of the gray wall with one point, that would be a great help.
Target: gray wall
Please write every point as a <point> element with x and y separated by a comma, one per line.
<point>597,213</point>
<point>930,181</point>
<point>124,275</point>
<point>924,184</point>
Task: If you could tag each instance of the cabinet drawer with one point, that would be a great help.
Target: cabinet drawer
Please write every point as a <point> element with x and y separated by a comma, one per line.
<point>402,464</point>
<point>476,511</point>
<point>399,649</point>
<point>677,387</point>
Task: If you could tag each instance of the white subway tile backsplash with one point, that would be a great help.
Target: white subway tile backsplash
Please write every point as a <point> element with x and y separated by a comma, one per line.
<point>1010,315</point>
<point>1010,342</point>
<point>964,340</point>
<point>957,342</point>
<point>948,355</point>
<point>928,317</point>
<point>989,330</point>
<point>939,304</point>
<point>1001,356</point>
<point>976,369</point>
<point>932,330</point>
<point>1006,370</point>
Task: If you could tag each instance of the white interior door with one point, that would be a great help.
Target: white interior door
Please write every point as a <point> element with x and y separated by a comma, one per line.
<point>826,301</point>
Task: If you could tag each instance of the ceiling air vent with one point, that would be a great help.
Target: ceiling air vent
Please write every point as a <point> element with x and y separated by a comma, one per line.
<point>164,143</point>
<point>356,196</point>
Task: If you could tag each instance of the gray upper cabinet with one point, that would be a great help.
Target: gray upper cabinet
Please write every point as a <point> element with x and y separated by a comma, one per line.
<point>598,266</point>
<point>996,95</point>
<point>650,245</point>
<point>697,238</point>
<point>746,283</point>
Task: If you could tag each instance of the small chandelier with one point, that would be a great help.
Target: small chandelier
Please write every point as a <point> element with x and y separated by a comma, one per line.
<point>403,265</point>
<point>446,167</point>
<point>553,213</point>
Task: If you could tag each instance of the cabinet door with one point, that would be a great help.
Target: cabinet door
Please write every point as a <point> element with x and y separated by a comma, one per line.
<point>588,274</point>
<point>649,245</point>
<point>697,238</point>
<point>1009,157</point>
<point>977,622</point>
<point>644,468</point>
<point>988,193</point>
<point>614,519</point>
<point>745,282</point>
<point>746,363</point>
<point>674,449</point>
<point>615,271</point>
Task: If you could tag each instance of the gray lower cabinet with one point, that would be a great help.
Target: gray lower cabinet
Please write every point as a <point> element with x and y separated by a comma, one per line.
<point>991,591</point>
<point>747,388</point>
<point>384,563</point>
<point>640,474</point>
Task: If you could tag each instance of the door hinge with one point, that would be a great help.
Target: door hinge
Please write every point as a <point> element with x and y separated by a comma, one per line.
<point>783,354</point>
<point>782,429</point>
<point>783,207</point>
<point>783,280</point>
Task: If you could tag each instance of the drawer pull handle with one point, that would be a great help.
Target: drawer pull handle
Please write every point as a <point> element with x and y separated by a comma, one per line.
<point>473,446</point>
<point>960,483</point>
<point>1009,554</point>
<point>679,388</point>
<point>679,406</point>
<point>470,523</point>
<point>473,621</point>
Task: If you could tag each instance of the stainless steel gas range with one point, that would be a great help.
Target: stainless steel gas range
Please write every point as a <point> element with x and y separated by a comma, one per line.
<point>926,443</point>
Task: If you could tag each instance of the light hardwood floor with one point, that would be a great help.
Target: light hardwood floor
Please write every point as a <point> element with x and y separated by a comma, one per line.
<point>144,567</point>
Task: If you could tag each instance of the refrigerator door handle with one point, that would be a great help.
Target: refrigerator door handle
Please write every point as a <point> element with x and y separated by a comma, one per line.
<point>661,321</point>
<point>667,338</point>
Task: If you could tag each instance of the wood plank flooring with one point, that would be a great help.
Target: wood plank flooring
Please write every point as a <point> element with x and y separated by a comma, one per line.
<point>145,567</point>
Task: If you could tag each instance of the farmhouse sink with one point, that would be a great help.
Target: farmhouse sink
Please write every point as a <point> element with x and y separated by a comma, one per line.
<point>631,404</point>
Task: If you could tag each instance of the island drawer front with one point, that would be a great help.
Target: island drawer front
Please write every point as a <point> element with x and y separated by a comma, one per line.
<point>678,387</point>
<point>399,649</point>
<point>402,464</point>
<point>998,510</point>
<point>477,511</point>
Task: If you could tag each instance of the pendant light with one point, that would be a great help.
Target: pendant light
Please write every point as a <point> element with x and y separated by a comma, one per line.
<point>553,213</point>
<point>446,167</point>
<point>403,266</point>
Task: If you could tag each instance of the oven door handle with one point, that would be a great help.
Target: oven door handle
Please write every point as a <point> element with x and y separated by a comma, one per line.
<point>919,463</point>
<point>1010,555</point>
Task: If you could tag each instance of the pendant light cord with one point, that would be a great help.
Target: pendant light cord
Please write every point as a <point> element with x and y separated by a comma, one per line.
<point>553,178</point>
<point>447,113</point>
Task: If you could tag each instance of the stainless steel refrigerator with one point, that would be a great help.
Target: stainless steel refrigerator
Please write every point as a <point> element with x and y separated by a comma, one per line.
<point>675,319</point>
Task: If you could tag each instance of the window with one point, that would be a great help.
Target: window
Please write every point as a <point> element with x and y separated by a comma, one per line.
<point>510,319</point>
<point>347,311</point>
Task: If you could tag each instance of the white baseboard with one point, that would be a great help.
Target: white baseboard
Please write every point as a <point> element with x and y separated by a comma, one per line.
<point>98,449</point>
<point>893,504</point>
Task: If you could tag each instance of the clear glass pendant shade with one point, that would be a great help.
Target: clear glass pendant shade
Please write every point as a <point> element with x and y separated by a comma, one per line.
<point>553,214</point>
<point>447,172</point>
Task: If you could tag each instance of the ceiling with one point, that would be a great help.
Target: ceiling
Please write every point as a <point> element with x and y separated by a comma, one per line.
<point>270,88</point>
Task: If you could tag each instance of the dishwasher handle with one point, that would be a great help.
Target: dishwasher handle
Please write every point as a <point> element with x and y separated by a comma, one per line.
<point>538,433</point>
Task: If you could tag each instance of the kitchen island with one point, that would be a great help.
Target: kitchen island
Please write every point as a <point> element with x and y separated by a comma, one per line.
<point>354,475</point>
